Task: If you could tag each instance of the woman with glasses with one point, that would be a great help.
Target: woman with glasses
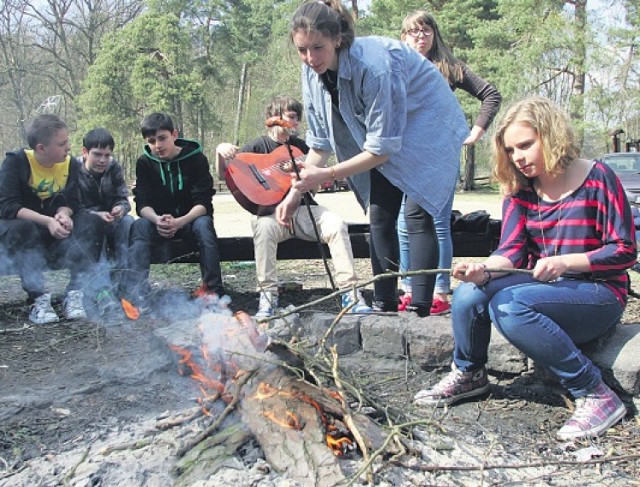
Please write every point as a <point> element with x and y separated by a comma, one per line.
<point>420,31</point>
<point>395,127</point>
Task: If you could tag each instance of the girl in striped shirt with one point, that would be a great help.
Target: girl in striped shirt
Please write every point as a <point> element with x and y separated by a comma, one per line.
<point>567,221</point>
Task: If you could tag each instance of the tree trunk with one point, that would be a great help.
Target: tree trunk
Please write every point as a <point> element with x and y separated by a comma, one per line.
<point>580,60</point>
<point>469,167</point>
<point>241,90</point>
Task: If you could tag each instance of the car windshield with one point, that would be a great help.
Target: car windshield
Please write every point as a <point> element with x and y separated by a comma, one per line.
<point>624,164</point>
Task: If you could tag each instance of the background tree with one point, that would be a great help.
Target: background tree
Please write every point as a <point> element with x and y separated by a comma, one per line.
<point>213,64</point>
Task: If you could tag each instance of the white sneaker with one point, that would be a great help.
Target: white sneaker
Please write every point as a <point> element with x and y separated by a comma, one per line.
<point>267,305</point>
<point>42,312</point>
<point>355,302</point>
<point>73,307</point>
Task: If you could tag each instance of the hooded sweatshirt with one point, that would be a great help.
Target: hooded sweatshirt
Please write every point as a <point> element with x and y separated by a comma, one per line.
<point>174,187</point>
<point>16,192</point>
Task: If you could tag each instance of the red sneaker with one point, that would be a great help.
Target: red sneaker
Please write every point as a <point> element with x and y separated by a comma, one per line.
<point>439,307</point>
<point>405,300</point>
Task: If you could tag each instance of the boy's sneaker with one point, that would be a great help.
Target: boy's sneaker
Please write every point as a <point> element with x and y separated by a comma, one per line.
<point>267,305</point>
<point>439,307</point>
<point>106,303</point>
<point>355,302</point>
<point>594,414</point>
<point>404,301</point>
<point>73,307</point>
<point>42,312</point>
<point>455,386</point>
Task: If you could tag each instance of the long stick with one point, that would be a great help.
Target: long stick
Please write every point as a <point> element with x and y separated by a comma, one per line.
<point>305,198</point>
<point>379,277</point>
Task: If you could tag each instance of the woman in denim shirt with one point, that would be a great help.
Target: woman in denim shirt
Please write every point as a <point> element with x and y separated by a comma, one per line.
<point>395,127</point>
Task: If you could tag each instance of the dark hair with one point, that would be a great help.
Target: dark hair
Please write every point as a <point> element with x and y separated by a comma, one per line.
<point>43,128</point>
<point>99,138</point>
<point>439,54</point>
<point>328,17</point>
<point>155,122</point>
<point>283,103</point>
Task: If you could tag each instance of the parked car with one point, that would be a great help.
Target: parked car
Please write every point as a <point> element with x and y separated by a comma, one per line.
<point>627,166</point>
<point>337,185</point>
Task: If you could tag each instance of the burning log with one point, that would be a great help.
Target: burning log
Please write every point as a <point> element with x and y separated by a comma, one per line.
<point>302,427</point>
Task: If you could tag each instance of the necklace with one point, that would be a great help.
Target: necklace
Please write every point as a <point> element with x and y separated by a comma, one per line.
<point>557,208</point>
<point>553,207</point>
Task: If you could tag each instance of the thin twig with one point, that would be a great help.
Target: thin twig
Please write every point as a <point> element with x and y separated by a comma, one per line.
<point>179,421</point>
<point>212,427</point>
<point>515,466</point>
<point>72,472</point>
<point>377,278</point>
<point>133,445</point>
<point>396,430</point>
<point>346,415</point>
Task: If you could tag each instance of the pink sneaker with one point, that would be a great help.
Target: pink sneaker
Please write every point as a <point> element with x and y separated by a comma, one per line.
<point>439,307</point>
<point>405,300</point>
<point>594,414</point>
<point>456,385</point>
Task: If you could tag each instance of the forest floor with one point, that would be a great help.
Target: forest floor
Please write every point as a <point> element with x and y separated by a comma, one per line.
<point>68,386</point>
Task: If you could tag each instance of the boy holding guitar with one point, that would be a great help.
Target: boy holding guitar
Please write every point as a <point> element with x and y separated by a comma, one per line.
<point>272,225</point>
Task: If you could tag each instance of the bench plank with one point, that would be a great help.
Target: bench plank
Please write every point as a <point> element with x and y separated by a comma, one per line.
<point>233,249</point>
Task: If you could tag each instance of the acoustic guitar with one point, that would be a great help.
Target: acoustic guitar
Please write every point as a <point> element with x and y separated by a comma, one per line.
<point>259,182</point>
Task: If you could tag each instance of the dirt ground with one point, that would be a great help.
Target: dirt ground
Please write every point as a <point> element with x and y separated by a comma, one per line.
<point>65,386</point>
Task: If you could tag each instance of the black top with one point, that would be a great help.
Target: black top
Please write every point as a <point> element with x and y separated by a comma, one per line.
<point>483,91</point>
<point>266,145</point>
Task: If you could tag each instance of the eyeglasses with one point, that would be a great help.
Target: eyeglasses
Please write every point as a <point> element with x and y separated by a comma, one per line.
<point>417,32</point>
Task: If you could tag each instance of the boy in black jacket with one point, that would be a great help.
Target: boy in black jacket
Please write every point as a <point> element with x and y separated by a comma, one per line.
<point>40,222</point>
<point>173,194</point>
<point>104,195</point>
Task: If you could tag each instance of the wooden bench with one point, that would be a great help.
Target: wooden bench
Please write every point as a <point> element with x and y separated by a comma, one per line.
<point>234,249</point>
<point>465,244</point>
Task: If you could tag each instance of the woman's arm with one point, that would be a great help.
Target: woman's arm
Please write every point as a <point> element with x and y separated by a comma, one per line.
<point>313,170</point>
<point>489,97</point>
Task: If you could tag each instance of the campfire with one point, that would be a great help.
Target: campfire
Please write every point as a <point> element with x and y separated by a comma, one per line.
<point>303,426</point>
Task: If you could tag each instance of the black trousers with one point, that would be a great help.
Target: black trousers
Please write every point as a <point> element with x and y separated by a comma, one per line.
<point>384,208</point>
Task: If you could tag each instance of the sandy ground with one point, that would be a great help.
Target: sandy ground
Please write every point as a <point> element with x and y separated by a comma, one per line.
<point>232,220</point>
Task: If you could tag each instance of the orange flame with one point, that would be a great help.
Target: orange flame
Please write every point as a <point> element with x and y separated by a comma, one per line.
<point>130,310</point>
<point>207,383</point>
<point>338,445</point>
<point>291,421</point>
<point>336,440</point>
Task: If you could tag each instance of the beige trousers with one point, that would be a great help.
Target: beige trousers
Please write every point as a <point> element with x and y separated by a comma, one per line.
<point>267,233</point>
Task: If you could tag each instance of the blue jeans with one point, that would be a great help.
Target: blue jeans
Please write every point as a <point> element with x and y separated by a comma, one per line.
<point>545,321</point>
<point>30,249</point>
<point>109,274</point>
<point>442,224</point>
<point>200,233</point>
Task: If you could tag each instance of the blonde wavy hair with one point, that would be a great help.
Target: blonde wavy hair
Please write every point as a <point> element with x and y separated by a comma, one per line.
<point>550,122</point>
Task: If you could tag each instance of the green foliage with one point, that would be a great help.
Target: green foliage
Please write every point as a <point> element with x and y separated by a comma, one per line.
<point>186,57</point>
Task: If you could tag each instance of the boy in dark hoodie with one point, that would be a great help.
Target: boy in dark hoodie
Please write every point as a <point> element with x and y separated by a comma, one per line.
<point>40,221</point>
<point>104,195</point>
<point>172,194</point>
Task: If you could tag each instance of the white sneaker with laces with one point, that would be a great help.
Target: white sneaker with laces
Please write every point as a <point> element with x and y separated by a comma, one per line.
<point>73,307</point>
<point>267,304</point>
<point>42,312</point>
<point>356,302</point>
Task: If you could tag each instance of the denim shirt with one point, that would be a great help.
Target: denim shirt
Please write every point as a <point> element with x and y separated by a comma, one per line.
<point>396,103</point>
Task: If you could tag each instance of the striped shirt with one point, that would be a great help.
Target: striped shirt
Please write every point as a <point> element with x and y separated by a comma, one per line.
<point>595,219</point>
